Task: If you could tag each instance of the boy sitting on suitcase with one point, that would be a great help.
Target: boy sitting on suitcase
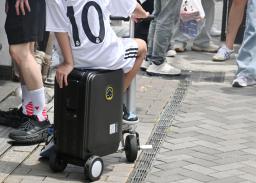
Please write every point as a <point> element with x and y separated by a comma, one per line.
<point>86,39</point>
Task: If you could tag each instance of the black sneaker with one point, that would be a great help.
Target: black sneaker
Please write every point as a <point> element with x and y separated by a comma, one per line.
<point>11,118</point>
<point>31,131</point>
<point>128,117</point>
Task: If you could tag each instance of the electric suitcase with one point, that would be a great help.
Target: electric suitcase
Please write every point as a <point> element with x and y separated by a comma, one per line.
<point>87,120</point>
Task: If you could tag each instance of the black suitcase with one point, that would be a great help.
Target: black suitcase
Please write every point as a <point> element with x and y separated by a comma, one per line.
<point>87,120</point>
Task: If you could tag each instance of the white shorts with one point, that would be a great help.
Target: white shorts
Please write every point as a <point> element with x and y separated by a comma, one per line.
<point>125,59</point>
<point>130,54</point>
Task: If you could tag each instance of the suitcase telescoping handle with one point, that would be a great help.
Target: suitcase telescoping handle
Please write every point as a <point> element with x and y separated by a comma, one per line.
<point>130,97</point>
<point>150,17</point>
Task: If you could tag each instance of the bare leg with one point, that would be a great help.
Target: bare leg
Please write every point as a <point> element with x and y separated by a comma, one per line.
<point>234,21</point>
<point>142,50</point>
<point>28,68</point>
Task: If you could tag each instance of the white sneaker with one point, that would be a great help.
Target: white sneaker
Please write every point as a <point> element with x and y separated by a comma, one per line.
<point>171,53</point>
<point>163,69</point>
<point>215,32</point>
<point>211,48</point>
<point>223,54</point>
<point>145,64</point>
<point>179,46</point>
<point>242,81</point>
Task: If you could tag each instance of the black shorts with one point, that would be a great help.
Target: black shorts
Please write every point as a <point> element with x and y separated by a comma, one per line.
<point>29,28</point>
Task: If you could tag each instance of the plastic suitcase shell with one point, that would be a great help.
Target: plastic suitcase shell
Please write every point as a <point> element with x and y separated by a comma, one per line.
<point>88,114</point>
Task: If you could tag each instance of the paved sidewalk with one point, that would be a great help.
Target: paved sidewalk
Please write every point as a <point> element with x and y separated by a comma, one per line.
<point>22,164</point>
<point>210,136</point>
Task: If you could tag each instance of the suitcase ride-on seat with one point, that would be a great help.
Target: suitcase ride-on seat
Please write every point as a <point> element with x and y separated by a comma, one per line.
<point>88,122</point>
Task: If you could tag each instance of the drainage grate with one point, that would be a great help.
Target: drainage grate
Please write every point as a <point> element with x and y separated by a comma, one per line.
<point>158,135</point>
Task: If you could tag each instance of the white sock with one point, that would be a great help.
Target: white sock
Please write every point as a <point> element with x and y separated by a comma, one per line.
<point>38,102</point>
<point>27,107</point>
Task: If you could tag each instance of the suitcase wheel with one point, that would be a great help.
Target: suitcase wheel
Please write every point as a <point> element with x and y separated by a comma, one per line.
<point>56,164</point>
<point>93,168</point>
<point>131,148</point>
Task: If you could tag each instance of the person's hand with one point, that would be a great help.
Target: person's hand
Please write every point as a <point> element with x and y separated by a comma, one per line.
<point>21,6</point>
<point>139,18</point>
<point>62,73</point>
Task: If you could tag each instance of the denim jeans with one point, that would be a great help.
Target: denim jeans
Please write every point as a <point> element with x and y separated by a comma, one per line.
<point>246,59</point>
<point>160,31</point>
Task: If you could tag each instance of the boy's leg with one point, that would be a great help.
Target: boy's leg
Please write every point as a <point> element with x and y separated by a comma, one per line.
<point>142,50</point>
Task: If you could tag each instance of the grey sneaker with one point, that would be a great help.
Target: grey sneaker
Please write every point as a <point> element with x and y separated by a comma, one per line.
<point>243,81</point>
<point>211,48</point>
<point>163,69</point>
<point>223,54</point>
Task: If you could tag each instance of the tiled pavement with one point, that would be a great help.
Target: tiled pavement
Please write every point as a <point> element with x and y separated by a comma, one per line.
<point>21,164</point>
<point>211,138</point>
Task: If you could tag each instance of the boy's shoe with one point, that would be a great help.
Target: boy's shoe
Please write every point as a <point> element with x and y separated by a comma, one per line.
<point>223,54</point>
<point>163,69</point>
<point>49,144</point>
<point>145,64</point>
<point>128,117</point>
<point>130,120</point>
<point>11,118</point>
<point>179,47</point>
<point>171,53</point>
<point>211,48</point>
<point>242,81</point>
<point>31,131</point>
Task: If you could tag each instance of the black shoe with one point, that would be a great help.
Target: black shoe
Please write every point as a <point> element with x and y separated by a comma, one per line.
<point>31,131</point>
<point>11,118</point>
<point>129,117</point>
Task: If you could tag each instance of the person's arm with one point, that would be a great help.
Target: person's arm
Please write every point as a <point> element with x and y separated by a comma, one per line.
<point>67,66</point>
<point>21,6</point>
<point>139,13</point>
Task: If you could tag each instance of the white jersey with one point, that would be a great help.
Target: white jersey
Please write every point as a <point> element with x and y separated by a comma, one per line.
<point>94,44</point>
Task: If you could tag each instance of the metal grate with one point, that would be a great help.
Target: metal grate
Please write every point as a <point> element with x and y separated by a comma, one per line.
<point>158,135</point>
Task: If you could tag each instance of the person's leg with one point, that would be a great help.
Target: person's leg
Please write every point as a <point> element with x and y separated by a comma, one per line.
<point>142,50</point>
<point>151,33</point>
<point>165,23</point>
<point>27,65</point>
<point>203,40</point>
<point>22,32</point>
<point>180,40</point>
<point>246,60</point>
<point>234,21</point>
<point>152,27</point>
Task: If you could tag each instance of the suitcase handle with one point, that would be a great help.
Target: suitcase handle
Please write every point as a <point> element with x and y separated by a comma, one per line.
<point>149,18</point>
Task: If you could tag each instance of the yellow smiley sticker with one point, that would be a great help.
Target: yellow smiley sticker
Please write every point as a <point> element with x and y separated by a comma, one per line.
<point>109,93</point>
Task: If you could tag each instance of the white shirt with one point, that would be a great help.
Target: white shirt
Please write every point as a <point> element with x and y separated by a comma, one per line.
<point>94,44</point>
